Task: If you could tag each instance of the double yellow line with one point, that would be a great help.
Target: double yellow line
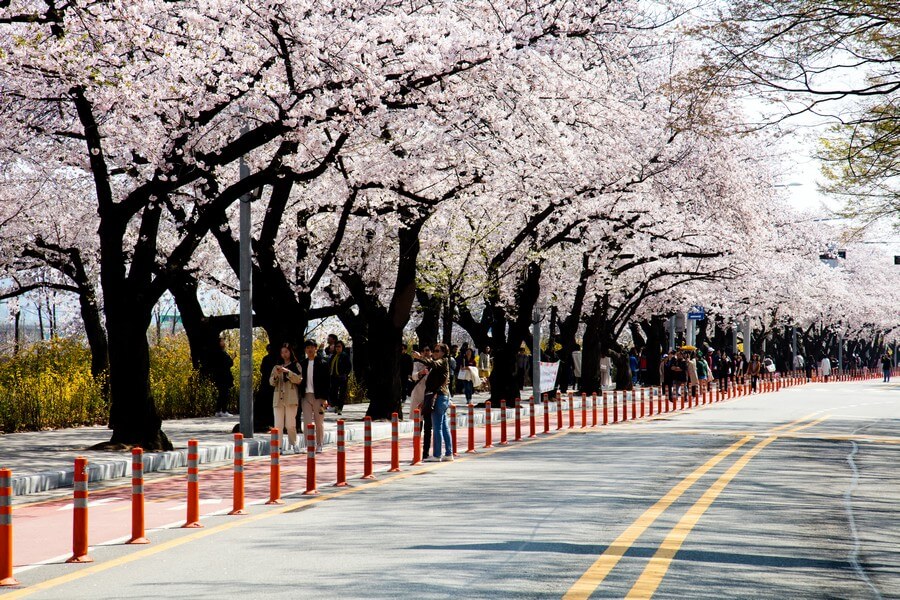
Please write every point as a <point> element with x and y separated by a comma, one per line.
<point>656,569</point>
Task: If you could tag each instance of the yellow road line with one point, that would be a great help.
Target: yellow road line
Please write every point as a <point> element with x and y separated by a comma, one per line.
<point>792,423</point>
<point>655,571</point>
<point>606,562</point>
<point>658,566</point>
<point>596,573</point>
<point>198,534</point>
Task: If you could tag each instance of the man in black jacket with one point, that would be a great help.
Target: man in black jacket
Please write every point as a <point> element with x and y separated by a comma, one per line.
<point>314,388</point>
<point>339,367</point>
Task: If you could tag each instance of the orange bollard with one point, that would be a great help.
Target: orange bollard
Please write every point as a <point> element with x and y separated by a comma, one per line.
<point>488,442</point>
<point>417,437</point>
<point>138,535</point>
<point>453,428</point>
<point>593,409</point>
<point>559,412</point>
<point>546,414</point>
<point>532,419</point>
<point>571,411</point>
<point>518,426</point>
<point>503,440</point>
<point>367,448</point>
<point>395,443</point>
<point>342,454</point>
<point>6,530</point>
<point>633,406</point>
<point>643,414</point>
<point>311,460</point>
<point>659,402</point>
<point>583,410</point>
<point>471,426</point>
<point>80,516</point>
<point>238,507</point>
<point>193,486</point>
<point>605,410</point>
<point>275,467</point>
<point>615,406</point>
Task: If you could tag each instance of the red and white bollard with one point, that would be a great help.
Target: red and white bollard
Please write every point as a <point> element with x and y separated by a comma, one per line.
<point>367,448</point>
<point>571,411</point>
<point>594,409</point>
<point>559,412</point>
<point>488,441</point>
<point>518,425</point>
<point>532,419</point>
<point>546,414</point>
<point>138,535</point>
<point>275,467</point>
<point>453,428</point>
<point>238,505</point>
<point>311,460</point>
<point>615,398</point>
<point>605,410</point>
<point>193,486</point>
<point>503,436</point>
<point>80,516</point>
<point>6,529</point>
<point>395,443</point>
<point>584,422</point>
<point>471,427</point>
<point>417,437</point>
<point>341,455</point>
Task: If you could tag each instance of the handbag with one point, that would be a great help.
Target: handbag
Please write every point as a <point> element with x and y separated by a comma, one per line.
<point>428,403</point>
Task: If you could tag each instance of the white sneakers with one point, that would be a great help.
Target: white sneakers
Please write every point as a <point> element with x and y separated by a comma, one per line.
<point>224,414</point>
<point>432,459</point>
<point>447,458</point>
<point>319,449</point>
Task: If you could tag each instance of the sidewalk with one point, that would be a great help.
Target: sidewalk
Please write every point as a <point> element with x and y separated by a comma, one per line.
<point>44,460</point>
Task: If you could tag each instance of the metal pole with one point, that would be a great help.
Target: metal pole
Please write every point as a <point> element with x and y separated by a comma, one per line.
<point>748,342</point>
<point>793,347</point>
<point>536,353</point>
<point>246,313</point>
<point>840,364</point>
<point>671,334</point>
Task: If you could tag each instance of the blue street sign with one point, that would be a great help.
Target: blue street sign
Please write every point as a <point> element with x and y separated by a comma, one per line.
<point>697,313</point>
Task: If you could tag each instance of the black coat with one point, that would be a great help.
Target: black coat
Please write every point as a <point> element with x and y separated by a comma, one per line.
<point>320,376</point>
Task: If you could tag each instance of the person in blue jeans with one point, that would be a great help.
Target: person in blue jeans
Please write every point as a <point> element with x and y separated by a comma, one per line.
<point>438,383</point>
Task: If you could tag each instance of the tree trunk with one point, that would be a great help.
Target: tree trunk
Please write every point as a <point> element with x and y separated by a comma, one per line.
<point>427,330</point>
<point>133,413</point>
<point>656,340</point>
<point>447,322</point>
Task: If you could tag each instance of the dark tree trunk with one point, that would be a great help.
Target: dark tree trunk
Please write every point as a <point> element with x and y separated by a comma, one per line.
<point>598,340</point>
<point>656,340</point>
<point>427,330</point>
<point>447,322</point>
<point>623,371</point>
<point>637,336</point>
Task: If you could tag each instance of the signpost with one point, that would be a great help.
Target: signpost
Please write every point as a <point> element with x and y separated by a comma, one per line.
<point>697,313</point>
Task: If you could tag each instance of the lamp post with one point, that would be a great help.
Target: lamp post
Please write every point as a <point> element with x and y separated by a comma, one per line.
<point>246,313</point>
<point>536,350</point>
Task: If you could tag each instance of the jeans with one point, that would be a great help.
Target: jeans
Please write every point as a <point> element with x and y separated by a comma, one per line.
<point>468,389</point>
<point>887,375</point>
<point>440,428</point>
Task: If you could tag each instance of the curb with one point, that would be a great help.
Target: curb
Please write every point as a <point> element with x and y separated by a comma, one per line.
<point>115,468</point>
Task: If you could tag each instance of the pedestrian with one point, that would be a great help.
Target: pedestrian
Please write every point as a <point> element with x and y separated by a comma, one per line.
<point>422,400</point>
<point>810,365</point>
<point>468,373</point>
<point>692,374</point>
<point>753,370</point>
<point>799,363</point>
<point>339,368</point>
<point>825,367</point>
<point>329,347</point>
<point>315,390</point>
<point>605,370</point>
<point>453,359</point>
<point>485,366</point>
<point>285,379</point>
<point>223,378</point>
<point>633,365</point>
<point>263,419</point>
<point>437,383</point>
<point>576,365</point>
<point>522,360</point>
<point>886,367</point>
<point>406,369</point>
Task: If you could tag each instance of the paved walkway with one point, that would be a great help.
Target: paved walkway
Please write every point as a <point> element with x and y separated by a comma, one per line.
<point>43,460</point>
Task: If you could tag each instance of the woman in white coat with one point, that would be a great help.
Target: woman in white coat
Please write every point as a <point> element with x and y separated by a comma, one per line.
<point>825,367</point>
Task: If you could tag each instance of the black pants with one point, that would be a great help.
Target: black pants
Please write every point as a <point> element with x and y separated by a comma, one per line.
<point>338,393</point>
<point>426,435</point>
<point>222,398</point>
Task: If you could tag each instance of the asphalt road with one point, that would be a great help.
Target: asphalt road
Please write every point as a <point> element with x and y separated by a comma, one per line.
<point>787,495</point>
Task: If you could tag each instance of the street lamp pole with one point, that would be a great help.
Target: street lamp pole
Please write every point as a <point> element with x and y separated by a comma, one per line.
<point>246,312</point>
<point>536,352</point>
